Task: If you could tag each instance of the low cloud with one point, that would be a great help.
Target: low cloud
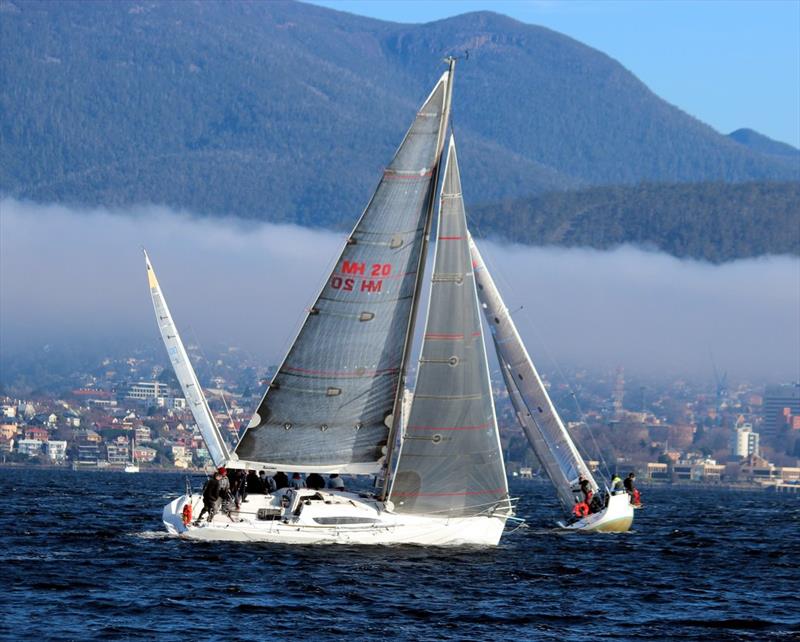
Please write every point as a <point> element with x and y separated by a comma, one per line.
<point>68,274</point>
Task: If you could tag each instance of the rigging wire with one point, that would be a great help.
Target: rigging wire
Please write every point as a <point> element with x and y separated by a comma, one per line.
<point>497,272</point>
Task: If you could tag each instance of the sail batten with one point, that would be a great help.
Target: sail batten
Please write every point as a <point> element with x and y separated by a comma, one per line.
<point>198,405</point>
<point>349,351</point>
<point>450,462</point>
<point>535,411</point>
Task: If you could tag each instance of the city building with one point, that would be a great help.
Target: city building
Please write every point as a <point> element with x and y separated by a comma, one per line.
<point>56,451</point>
<point>88,453</point>
<point>30,447</point>
<point>117,454</point>
<point>777,400</point>
<point>144,454</point>
<point>146,390</point>
<point>745,441</point>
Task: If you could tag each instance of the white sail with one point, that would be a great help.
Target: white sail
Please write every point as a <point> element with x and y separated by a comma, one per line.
<point>185,373</point>
<point>535,411</point>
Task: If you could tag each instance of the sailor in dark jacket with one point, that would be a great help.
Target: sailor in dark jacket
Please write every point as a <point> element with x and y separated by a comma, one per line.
<point>281,480</point>
<point>210,498</point>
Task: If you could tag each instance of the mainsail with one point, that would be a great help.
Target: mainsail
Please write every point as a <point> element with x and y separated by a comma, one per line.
<point>185,373</point>
<point>450,462</point>
<point>330,405</point>
<point>535,411</point>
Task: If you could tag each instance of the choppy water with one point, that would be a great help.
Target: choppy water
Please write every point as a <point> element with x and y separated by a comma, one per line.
<point>84,557</point>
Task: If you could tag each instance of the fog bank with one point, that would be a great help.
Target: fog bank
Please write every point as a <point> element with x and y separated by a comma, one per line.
<point>70,274</point>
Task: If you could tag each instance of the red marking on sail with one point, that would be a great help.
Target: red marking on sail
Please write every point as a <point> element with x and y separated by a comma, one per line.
<point>390,175</point>
<point>340,373</point>
<point>443,428</point>
<point>494,491</point>
<point>434,336</point>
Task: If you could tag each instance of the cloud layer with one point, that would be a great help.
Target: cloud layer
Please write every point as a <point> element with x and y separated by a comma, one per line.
<point>78,275</point>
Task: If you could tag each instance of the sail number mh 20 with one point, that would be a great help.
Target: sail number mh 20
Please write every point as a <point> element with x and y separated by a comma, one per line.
<point>360,281</point>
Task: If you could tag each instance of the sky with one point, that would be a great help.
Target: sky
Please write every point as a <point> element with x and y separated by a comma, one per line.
<point>730,64</point>
<point>73,275</point>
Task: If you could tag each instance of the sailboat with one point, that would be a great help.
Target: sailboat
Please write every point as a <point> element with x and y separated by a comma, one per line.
<point>339,401</point>
<point>132,467</point>
<point>539,419</point>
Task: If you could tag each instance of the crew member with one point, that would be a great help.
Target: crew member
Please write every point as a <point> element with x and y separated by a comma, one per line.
<point>315,481</point>
<point>210,498</point>
<point>335,482</point>
<point>586,489</point>
<point>630,488</point>
<point>297,482</point>
<point>281,480</point>
<point>616,484</point>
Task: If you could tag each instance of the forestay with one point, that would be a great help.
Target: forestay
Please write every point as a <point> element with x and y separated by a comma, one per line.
<point>185,373</point>
<point>535,411</point>
<point>450,462</point>
<point>329,406</point>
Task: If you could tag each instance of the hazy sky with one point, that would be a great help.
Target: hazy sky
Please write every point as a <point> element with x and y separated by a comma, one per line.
<point>730,64</point>
<point>76,275</point>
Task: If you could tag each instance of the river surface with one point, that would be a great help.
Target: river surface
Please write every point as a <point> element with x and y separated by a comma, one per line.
<point>84,556</point>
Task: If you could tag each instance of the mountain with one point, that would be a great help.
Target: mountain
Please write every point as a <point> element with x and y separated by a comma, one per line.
<point>716,222</point>
<point>764,145</point>
<point>286,112</point>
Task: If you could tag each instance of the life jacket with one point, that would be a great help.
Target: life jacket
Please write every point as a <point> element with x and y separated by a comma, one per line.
<point>581,510</point>
<point>186,514</point>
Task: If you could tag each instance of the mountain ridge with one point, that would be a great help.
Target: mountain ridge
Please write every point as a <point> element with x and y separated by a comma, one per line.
<point>287,112</point>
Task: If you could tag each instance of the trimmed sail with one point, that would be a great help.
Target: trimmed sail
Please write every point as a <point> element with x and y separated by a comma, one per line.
<point>535,411</point>
<point>330,404</point>
<point>185,373</point>
<point>450,462</point>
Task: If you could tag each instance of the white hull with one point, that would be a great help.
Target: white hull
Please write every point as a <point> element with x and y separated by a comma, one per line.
<point>617,517</point>
<point>330,517</point>
<point>131,468</point>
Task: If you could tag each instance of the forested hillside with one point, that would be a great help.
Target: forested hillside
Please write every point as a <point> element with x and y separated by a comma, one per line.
<point>713,221</point>
<point>287,112</point>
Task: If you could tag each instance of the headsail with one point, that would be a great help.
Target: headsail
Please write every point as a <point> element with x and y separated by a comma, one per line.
<point>450,461</point>
<point>185,373</point>
<point>535,411</point>
<point>329,406</point>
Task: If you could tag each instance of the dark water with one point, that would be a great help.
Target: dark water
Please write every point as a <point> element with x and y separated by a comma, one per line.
<point>84,557</point>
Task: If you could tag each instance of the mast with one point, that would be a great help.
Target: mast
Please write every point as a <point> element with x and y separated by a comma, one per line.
<point>409,340</point>
<point>535,410</point>
<point>187,378</point>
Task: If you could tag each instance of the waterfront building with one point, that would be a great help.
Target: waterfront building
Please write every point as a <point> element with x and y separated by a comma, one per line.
<point>777,401</point>
<point>745,441</point>
<point>118,454</point>
<point>657,470</point>
<point>30,447</point>
<point>144,454</point>
<point>56,451</point>
<point>88,453</point>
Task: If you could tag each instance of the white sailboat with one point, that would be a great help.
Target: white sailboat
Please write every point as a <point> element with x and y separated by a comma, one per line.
<point>539,419</point>
<point>132,467</point>
<point>335,404</point>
